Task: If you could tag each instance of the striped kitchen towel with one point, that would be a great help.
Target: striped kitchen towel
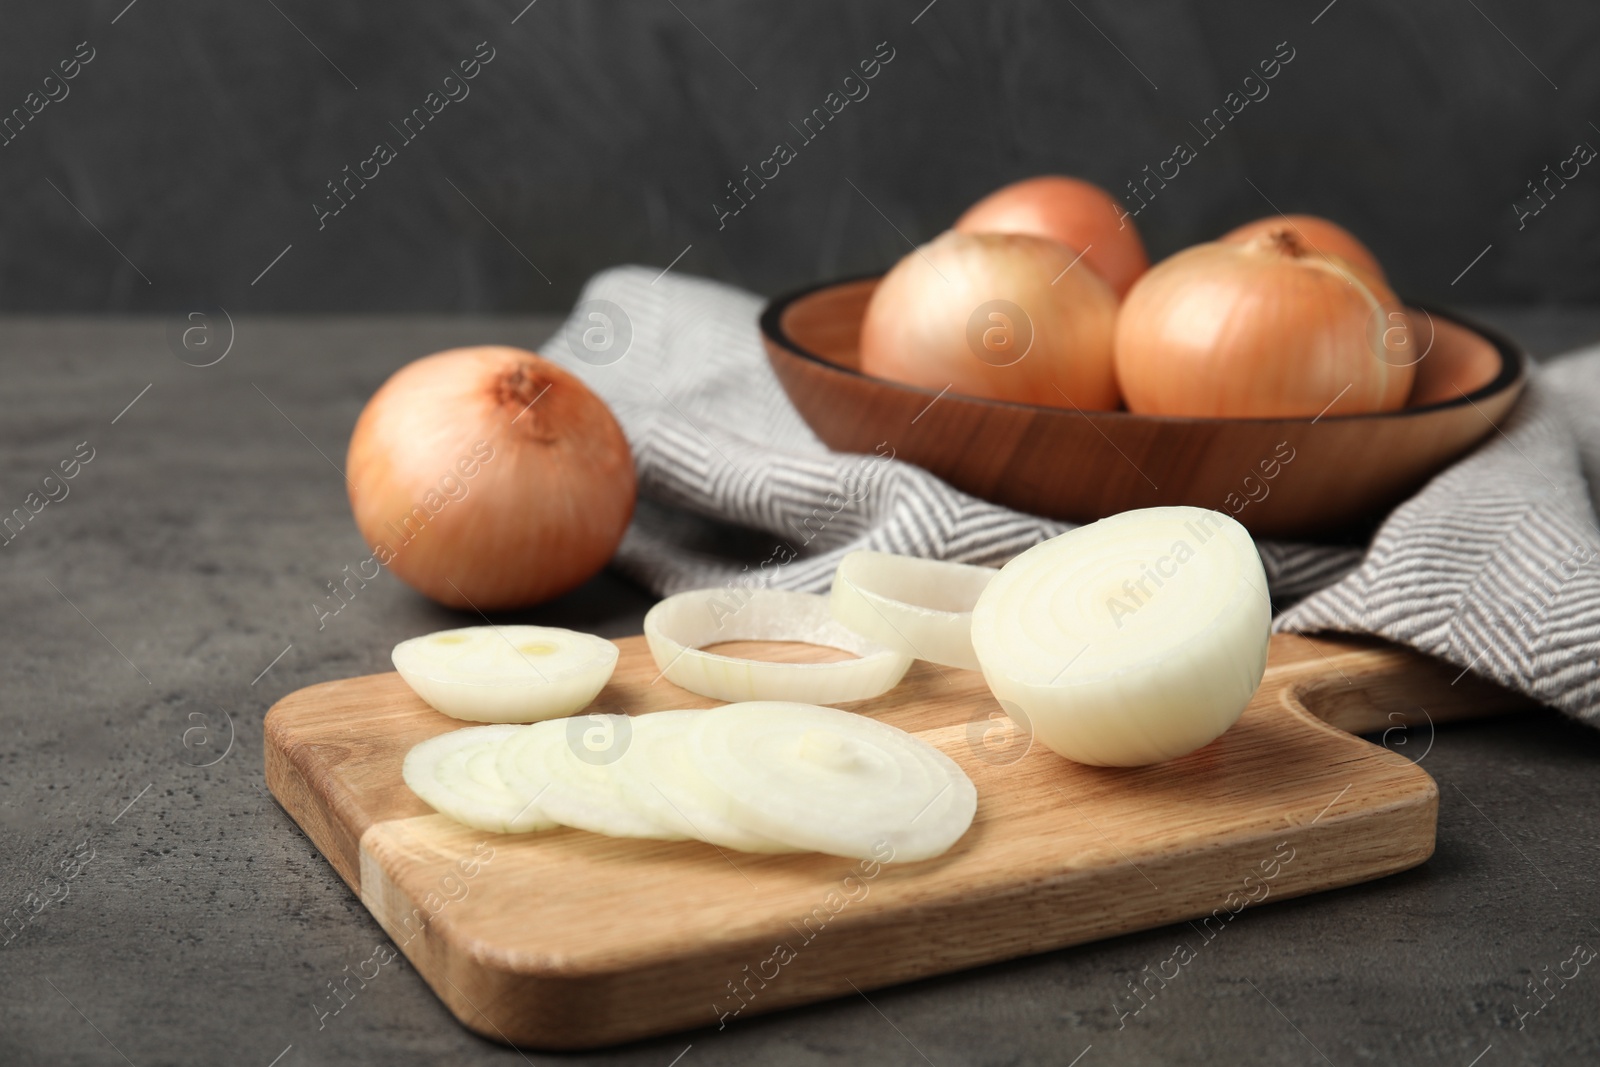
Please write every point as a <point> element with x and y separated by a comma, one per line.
<point>1493,566</point>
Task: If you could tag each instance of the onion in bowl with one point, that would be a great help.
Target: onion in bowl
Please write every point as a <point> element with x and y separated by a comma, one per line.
<point>1269,328</point>
<point>1319,234</point>
<point>1002,316</point>
<point>1079,214</point>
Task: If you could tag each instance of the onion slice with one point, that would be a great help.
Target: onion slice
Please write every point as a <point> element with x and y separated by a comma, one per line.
<point>680,625</point>
<point>660,782</point>
<point>455,774</point>
<point>921,607</point>
<point>506,673</point>
<point>832,781</point>
<point>1132,640</point>
<point>572,768</point>
<point>756,777</point>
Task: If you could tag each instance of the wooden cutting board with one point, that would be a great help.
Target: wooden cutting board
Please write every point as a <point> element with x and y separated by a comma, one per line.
<point>567,940</point>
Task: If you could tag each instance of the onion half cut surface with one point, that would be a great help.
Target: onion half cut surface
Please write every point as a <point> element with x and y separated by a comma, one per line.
<point>509,674</point>
<point>572,768</point>
<point>1131,640</point>
<point>455,774</point>
<point>832,781</point>
<point>921,607</point>
<point>678,628</point>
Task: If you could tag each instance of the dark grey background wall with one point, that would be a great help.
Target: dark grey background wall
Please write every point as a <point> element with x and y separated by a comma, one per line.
<point>188,152</point>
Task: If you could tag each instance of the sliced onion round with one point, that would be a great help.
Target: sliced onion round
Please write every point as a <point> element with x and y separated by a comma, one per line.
<point>1132,640</point>
<point>455,774</point>
<point>572,768</point>
<point>921,607</point>
<point>506,673</point>
<point>678,627</point>
<point>832,781</point>
<point>661,783</point>
<point>756,777</point>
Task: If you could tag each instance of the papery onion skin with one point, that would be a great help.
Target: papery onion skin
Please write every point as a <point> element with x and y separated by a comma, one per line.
<point>1264,329</point>
<point>489,478</point>
<point>1078,214</point>
<point>1322,235</point>
<point>931,316</point>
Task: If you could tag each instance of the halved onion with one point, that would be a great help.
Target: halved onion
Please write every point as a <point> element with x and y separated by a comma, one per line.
<point>455,774</point>
<point>921,607</point>
<point>678,627</point>
<point>832,781</point>
<point>1132,640</point>
<point>506,673</point>
<point>660,782</point>
<point>577,782</point>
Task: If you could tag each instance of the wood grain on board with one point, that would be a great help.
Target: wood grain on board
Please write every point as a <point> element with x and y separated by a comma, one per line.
<point>565,939</point>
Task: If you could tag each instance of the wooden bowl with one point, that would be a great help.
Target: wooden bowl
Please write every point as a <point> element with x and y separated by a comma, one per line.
<point>1298,477</point>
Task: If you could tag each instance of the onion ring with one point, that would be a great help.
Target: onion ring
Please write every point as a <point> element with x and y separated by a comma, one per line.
<point>680,625</point>
<point>922,607</point>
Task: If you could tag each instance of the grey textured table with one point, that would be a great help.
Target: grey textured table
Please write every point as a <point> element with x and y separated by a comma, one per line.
<point>186,920</point>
